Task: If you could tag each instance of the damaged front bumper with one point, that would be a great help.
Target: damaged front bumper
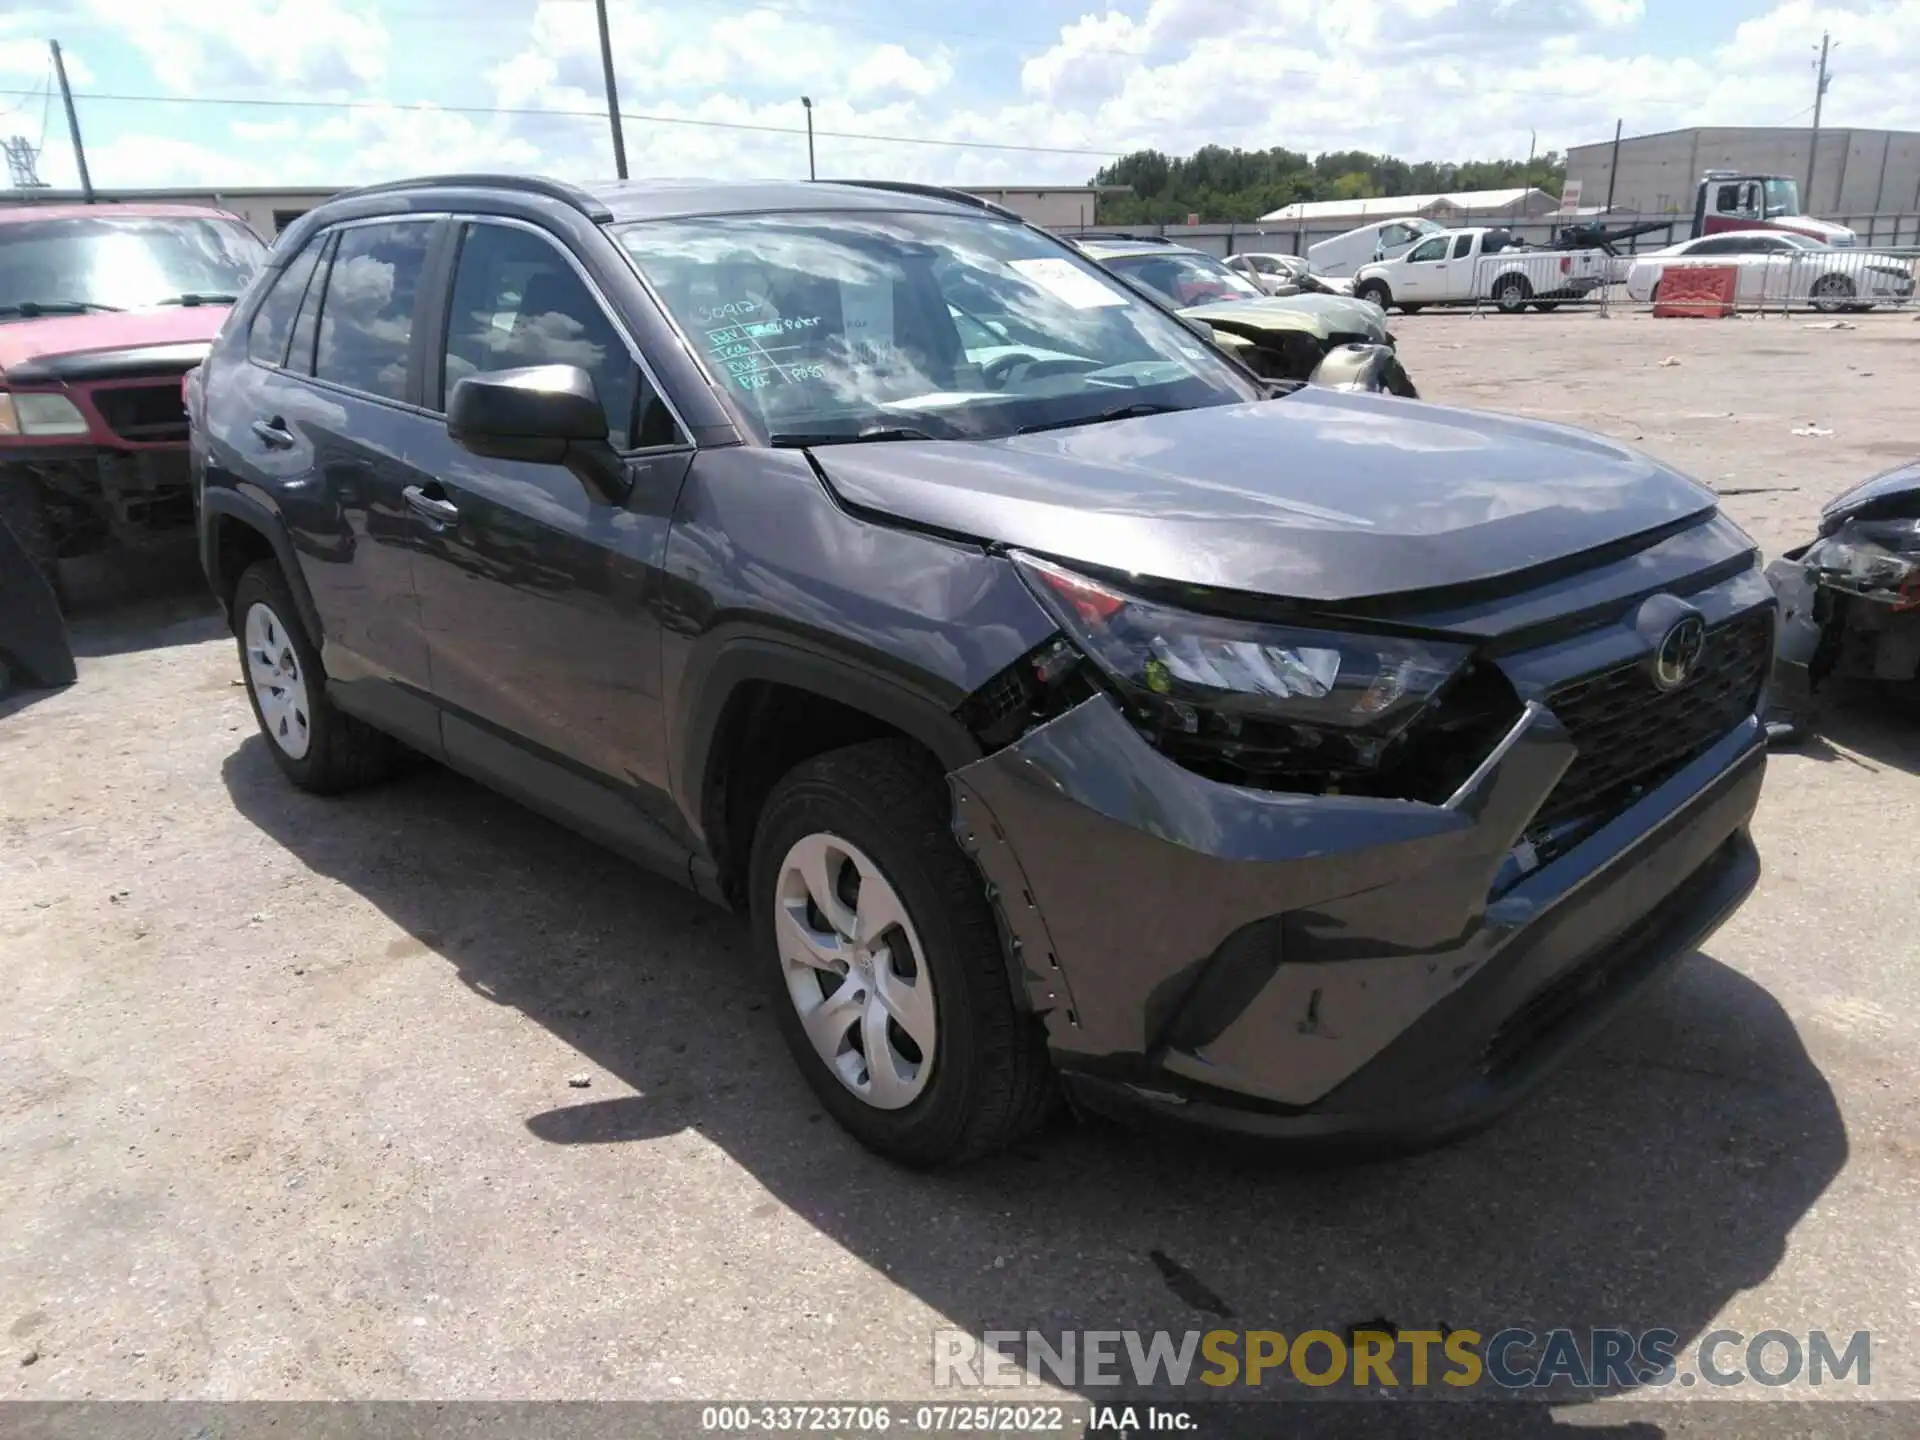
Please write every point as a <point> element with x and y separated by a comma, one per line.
<point>1325,968</point>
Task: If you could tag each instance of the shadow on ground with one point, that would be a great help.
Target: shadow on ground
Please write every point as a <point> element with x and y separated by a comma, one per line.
<point>183,619</point>
<point>1655,1179</point>
<point>1874,726</point>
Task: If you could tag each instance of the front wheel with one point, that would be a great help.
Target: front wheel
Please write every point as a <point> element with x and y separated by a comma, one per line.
<point>885,961</point>
<point>1374,292</point>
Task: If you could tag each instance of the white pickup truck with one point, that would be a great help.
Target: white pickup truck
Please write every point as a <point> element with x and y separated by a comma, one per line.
<point>1464,267</point>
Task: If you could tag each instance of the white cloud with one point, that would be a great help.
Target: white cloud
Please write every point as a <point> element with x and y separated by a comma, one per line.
<point>1424,79</point>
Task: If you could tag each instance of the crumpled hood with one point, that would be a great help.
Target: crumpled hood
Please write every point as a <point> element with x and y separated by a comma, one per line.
<point>1317,315</point>
<point>1892,494</point>
<point>1322,496</point>
<point>53,335</point>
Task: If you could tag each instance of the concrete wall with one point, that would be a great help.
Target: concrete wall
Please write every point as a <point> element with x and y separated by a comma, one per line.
<point>1856,172</point>
<point>1068,209</point>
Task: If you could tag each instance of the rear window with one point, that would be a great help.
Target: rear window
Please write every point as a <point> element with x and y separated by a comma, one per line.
<point>273,321</point>
<point>366,317</point>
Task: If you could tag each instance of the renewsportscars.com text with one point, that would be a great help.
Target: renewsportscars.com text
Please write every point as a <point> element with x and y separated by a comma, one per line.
<point>1365,1360</point>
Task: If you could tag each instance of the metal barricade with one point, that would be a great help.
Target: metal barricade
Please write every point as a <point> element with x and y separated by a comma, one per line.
<point>1832,281</point>
<point>1511,281</point>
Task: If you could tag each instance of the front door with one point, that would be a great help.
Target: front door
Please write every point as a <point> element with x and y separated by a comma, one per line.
<point>538,598</point>
<point>1424,273</point>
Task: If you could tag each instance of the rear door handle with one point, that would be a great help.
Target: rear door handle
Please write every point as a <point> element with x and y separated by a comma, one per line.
<point>274,433</point>
<point>440,512</point>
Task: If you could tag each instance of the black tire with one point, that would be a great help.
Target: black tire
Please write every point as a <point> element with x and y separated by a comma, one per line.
<point>24,513</point>
<point>991,1081</point>
<point>1375,291</point>
<point>1511,294</point>
<point>1832,294</point>
<point>342,753</point>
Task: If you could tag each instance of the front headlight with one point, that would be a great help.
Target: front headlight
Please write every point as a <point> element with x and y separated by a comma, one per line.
<point>32,414</point>
<point>1264,700</point>
<point>1871,557</point>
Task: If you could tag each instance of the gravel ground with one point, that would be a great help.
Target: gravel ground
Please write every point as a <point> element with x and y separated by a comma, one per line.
<point>288,1087</point>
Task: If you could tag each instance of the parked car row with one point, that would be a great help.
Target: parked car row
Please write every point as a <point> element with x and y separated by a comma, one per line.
<point>1068,707</point>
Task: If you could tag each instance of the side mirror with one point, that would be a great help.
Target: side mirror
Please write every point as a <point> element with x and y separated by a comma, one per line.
<point>542,414</point>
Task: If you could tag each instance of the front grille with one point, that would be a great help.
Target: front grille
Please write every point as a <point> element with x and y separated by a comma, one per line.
<point>147,414</point>
<point>1632,736</point>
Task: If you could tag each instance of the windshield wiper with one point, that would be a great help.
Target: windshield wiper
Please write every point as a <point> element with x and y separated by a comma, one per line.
<point>33,308</point>
<point>199,297</point>
<point>1123,412</point>
<point>794,439</point>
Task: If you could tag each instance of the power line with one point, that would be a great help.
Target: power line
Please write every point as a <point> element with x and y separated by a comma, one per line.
<point>429,105</point>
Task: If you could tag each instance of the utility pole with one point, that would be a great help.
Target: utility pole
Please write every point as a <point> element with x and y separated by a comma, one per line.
<point>1613,167</point>
<point>807,101</point>
<point>73,123</point>
<point>613,92</point>
<point>1819,98</point>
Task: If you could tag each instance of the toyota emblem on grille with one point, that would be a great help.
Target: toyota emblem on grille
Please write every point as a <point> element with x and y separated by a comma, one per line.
<point>1678,652</point>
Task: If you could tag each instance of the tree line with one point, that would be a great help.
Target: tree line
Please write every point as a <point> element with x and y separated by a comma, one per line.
<point>1222,185</point>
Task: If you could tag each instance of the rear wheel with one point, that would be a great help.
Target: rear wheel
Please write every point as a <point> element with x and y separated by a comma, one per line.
<point>1375,291</point>
<point>1832,294</point>
<point>316,745</point>
<point>1511,294</point>
<point>885,961</point>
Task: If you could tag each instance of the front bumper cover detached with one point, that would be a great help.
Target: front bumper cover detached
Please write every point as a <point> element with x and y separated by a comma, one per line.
<point>1325,968</point>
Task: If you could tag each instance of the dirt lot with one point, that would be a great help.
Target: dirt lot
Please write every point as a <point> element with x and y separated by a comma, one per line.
<point>285,1099</point>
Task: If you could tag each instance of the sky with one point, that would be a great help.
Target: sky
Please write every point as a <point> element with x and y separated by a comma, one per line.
<point>1012,92</point>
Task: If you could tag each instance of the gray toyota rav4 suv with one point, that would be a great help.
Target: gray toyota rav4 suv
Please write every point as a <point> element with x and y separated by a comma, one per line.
<point>1069,710</point>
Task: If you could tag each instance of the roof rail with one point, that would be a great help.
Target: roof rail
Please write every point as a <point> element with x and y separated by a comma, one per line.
<point>934,192</point>
<point>587,203</point>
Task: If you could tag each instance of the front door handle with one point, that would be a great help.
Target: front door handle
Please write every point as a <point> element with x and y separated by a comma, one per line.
<point>440,512</point>
<point>274,433</point>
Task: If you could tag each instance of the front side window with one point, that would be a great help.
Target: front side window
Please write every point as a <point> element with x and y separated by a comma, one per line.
<point>1783,197</point>
<point>68,267</point>
<point>517,301</point>
<point>1428,250</point>
<point>948,326</point>
<point>366,316</point>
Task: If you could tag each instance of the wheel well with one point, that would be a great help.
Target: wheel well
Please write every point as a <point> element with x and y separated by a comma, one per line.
<point>236,545</point>
<point>766,729</point>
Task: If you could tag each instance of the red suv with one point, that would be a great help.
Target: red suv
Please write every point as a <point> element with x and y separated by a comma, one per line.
<point>103,308</point>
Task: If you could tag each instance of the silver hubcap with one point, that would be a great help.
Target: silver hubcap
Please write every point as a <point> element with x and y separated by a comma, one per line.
<point>273,669</point>
<point>855,971</point>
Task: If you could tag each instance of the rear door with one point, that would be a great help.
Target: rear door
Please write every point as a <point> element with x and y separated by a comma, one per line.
<point>539,600</point>
<point>342,409</point>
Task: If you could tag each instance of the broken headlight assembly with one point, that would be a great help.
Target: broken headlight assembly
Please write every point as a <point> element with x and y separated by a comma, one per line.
<point>1251,702</point>
<point>39,414</point>
<point>1879,559</point>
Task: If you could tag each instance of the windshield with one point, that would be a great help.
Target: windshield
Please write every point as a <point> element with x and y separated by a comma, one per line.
<point>122,263</point>
<point>1182,280</point>
<point>1783,197</point>
<point>894,326</point>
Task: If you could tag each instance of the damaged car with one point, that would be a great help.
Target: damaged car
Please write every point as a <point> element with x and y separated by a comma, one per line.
<point>1284,337</point>
<point>1850,599</point>
<point>103,308</point>
<point>1300,763</point>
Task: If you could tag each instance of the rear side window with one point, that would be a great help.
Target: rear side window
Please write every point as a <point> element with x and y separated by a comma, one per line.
<point>366,317</point>
<point>306,324</point>
<point>517,301</point>
<point>1461,245</point>
<point>273,321</point>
